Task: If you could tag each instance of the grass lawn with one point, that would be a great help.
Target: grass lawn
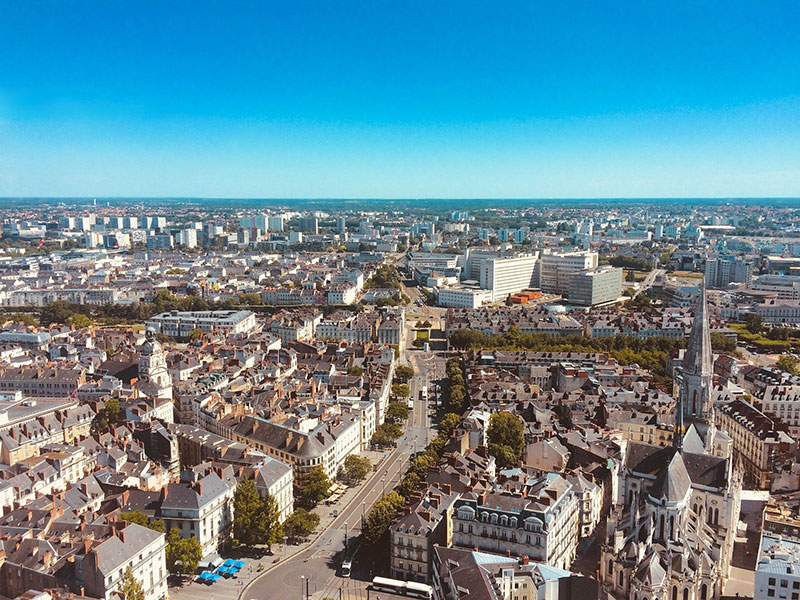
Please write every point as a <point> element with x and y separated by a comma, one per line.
<point>423,334</point>
<point>686,275</point>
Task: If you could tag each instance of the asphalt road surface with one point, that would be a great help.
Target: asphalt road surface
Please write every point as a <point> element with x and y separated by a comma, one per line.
<point>320,563</point>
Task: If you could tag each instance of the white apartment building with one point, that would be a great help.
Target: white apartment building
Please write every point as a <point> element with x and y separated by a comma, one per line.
<point>179,324</point>
<point>778,569</point>
<point>276,478</point>
<point>141,548</point>
<point>783,401</point>
<point>542,525</point>
<point>203,509</point>
<point>505,275</point>
<point>556,270</point>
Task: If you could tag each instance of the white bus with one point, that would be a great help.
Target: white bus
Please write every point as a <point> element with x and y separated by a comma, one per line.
<point>412,589</point>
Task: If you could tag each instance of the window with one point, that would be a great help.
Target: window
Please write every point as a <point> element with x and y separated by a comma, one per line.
<point>771,593</point>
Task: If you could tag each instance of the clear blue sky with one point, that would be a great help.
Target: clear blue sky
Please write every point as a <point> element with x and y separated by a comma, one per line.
<point>399,99</point>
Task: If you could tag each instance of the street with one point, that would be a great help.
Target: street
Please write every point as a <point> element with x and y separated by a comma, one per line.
<point>318,565</point>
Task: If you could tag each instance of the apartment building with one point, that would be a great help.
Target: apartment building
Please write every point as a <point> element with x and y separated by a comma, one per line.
<point>202,508</point>
<point>179,324</point>
<point>783,401</point>
<point>778,568</point>
<point>427,522</point>
<point>725,269</point>
<point>758,440</point>
<point>326,445</point>
<point>543,525</point>
<point>131,545</point>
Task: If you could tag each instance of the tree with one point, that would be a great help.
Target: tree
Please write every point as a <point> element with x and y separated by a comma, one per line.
<point>130,587</point>
<point>195,334</point>
<point>246,513</point>
<point>300,524</point>
<point>24,318</point>
<point>355,371</point>
<point>403,373</point>
<point>142,519</point>
<point>386,433</point>
<point>448,423</point>
<point>401,390</point>
<point>270,528</point>
<point>722,343</point>
<point>182,554</point>
<point>630,276</point>
<point>506,438</point>
<point>397,412</point>
<point>787,363</point>
<point>315,486</point>
<point>356,467</point>
<point>754,323</point>
<point>376,525</point>
<point>107,417</point>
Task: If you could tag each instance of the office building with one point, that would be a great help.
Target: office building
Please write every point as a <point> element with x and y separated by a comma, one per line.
<point>590,288</point>
<point>506,275</point>
<point>309,225</point>
<point>556,270</point>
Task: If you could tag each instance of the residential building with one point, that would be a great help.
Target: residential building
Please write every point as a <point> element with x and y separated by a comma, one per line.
<point>542,525</point>
<point>179,324</point>
<point>759,440</point>
<point>413,535</point>
<point>777,569</point>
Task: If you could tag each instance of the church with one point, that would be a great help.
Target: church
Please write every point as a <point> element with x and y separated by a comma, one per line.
<point>155,382</point>
<point>671,531</point>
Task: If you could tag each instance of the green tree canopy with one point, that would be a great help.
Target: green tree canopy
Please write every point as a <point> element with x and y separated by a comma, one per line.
<point>130,587</point>
<point>142,519</point>
<point>397,412</point>
<point>246,513</point>
<point>355,370</point>
<point>506,436</point>
<point>403,373</point>
<point>315,486</point>
<point>300,524</point>
<point>356,468</point>
<point>787,363</point>
<point>183,555</point>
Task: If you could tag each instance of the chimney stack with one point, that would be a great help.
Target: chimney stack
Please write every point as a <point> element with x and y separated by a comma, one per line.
<point>525,559</point>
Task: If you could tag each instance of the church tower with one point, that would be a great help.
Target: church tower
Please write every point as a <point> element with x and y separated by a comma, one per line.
<point>154,377</point>
<point>697,374</point>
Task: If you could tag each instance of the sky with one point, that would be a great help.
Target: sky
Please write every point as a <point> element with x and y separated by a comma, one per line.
<point>405,99</point>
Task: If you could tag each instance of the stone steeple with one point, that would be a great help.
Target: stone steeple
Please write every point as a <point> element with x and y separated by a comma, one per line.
<point>697,374</point>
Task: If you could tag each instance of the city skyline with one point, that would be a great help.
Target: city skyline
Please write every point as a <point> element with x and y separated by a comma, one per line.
<point>383,101</point>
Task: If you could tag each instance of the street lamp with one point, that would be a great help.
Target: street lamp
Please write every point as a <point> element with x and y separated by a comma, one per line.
<point>363,508</point>
<point>345,538</point>
<point>302,585</point>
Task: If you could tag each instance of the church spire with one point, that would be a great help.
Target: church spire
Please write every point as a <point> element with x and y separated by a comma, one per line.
<point>695,403</point>
<point>698,359</point>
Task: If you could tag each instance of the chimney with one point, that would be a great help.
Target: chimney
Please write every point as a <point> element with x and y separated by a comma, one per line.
<point>434,500</point>
<point>199,488</point>
<point>508,552</point>
<point>525,559</point>
<point>164,493</point>
<point>446,488</point>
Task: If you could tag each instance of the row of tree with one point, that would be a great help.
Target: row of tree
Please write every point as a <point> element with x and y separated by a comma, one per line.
<point>456,388</point>
<point>649,353</point>
<point>376,525</point>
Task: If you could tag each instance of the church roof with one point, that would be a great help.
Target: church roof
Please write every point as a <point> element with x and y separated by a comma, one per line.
<point>703,469</point>
<point>673,481</point>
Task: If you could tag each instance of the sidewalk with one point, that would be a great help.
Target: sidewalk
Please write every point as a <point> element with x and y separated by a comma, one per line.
<point>231,589</point>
